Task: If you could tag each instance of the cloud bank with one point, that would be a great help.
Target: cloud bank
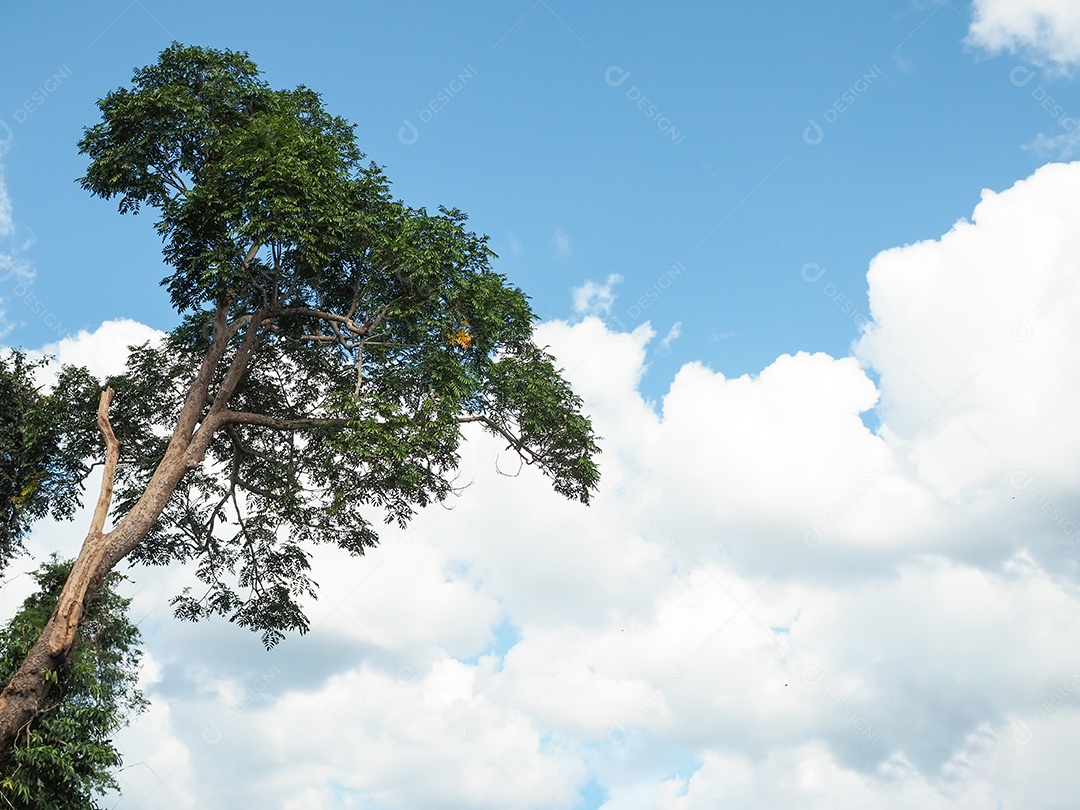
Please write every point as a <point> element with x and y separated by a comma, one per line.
<point>768,605</point>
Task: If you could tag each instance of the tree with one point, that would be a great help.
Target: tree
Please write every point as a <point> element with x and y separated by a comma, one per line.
<point>44,441</point>
<point>65,756</point>
<point>332,342</point>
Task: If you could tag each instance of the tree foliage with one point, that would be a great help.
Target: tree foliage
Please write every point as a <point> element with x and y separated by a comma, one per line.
<point>343,337</point>
<point>332,342</point>
<point>45,439</point>
<point>65,757</point>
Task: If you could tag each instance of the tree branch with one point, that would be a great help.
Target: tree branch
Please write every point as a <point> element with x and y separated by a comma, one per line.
<point>195,400</point>
<point>112,456</point>
<point>275,423</point>
<point>239,362</point>
<point>329,317</point>
<point>254,249</point>
<point>527,454</point>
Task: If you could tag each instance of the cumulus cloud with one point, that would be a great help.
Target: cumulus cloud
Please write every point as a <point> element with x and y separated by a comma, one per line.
<point>969,335</point>
<point>593,298</point>
<point>767,603</point>
<point>104,351</point>
<point>1047,29</point>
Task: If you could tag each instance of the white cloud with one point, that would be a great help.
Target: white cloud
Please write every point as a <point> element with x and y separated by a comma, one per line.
<point>969,339</point>
<point>562,243</point>
<point>407,600</point>
<point>1060,147</point>
<point>154,757</point>
<point>447,745</point>
<point>105,350</point>
<point>673,334</point>
<point>7,223</point>
<point>767,602</point>
<point>1048,29</point>
<point>12,265</point>
<point>592,298</point>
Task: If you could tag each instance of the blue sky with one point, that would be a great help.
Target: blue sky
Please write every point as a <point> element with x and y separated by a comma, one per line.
<point>536,142</point>
<point>833,562</point>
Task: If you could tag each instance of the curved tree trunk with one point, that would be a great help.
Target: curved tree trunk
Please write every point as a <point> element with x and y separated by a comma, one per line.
<point>25,693</point>
<point>24,696</point>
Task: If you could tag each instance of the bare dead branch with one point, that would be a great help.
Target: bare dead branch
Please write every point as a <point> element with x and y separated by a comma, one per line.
<point>252,251</point>
<point>516,443</point>
<point>112,456</point>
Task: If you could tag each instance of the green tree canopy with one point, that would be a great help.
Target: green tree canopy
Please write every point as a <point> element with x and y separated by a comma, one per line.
<point>45,440</point>
<point>66,758</point>
<point>358,334</point>
<point>332,343</point>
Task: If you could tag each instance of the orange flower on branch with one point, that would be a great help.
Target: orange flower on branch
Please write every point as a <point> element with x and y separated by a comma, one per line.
<point>462,338</point>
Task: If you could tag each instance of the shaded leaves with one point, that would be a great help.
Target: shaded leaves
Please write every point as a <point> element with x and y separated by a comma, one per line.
<point>66,757</point>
